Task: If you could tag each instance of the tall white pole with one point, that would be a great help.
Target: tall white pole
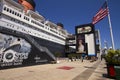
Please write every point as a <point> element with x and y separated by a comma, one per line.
<point>100,47</point>
<point>111,30</point>
<point>99,42</point>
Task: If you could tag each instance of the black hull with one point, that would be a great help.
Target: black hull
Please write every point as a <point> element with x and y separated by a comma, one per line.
<point>30,50</point>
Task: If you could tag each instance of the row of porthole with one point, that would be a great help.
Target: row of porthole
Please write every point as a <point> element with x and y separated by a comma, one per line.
<point>15,13</point>
<point>11,11</point>
<point>26,18</point>
<point>23,29</point>
<point>28,31</point>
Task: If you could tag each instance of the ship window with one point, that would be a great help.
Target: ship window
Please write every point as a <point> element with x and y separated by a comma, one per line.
<point>7,9</point>
<point>10,11</point>
<point>13,12</point>
<point>20,15</point>
<point>26,18</point>
<point>46,24</point>
<point>4,8</point>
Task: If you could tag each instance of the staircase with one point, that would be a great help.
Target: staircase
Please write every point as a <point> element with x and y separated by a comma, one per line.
<point>42,49</point>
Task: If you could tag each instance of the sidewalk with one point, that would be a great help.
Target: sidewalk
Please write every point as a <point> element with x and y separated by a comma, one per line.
<point>75,70</point>
<point>100,73</point>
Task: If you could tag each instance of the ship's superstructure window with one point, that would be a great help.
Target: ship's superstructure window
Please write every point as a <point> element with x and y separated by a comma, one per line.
<point>7,9</point>
<point>48,28</point>
<point>20,15</point>
<point>26,18</point>
<point>46,24</point>
<point>4,8</point>
<point>34,22</point>
<point>10,25</point>
<point>15,13</point>
<point>12,11</point>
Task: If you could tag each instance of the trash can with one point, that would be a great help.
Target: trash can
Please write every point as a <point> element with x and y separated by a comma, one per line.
<point>117,72</point>
<point>111,70</point>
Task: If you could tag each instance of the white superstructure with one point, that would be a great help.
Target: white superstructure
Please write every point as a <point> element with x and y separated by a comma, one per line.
<point>13,16</point>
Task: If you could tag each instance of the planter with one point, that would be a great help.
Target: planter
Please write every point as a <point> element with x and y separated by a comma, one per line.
<point>112,59</point>
<point>117,72</point>
<point>111,70</point>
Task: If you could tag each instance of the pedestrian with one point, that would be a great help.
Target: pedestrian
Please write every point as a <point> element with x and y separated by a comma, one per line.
<point>83,56</point>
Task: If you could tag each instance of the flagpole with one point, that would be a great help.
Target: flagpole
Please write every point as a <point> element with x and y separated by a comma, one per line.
<point>100,47</point>
<point>110,25</point>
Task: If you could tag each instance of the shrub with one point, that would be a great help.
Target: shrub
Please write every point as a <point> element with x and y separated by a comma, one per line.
<point>113,57</point>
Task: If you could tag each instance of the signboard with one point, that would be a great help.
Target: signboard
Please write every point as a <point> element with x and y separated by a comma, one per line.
<point>84,29</point>
<point>90,44</point>
<point>16,51</point>
<point>85,36</point>
<point>80,46</point>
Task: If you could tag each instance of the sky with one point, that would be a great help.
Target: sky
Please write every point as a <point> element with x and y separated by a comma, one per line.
<point>78,12</point>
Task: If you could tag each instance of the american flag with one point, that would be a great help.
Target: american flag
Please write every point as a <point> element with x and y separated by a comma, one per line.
<point>103,12</point>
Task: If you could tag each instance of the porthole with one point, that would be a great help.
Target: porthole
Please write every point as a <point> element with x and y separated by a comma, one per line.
<point>7,9</point>
<point>15,13</point>
<point>4,8</point>
<point>12,12</point>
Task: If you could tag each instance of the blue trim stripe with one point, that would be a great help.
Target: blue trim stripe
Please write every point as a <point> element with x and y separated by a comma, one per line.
<point>91,54</point>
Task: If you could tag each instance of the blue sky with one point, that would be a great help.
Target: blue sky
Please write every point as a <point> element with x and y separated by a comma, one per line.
<point>77,12</point>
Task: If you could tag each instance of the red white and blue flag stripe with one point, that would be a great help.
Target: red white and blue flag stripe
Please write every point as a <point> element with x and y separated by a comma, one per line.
<point>103,12</point>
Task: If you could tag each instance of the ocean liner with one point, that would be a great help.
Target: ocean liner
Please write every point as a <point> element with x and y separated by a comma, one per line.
<point>26,37</point>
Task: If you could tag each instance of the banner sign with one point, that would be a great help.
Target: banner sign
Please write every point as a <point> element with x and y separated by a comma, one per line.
<point>16,51</point>
<point>85,39</point>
